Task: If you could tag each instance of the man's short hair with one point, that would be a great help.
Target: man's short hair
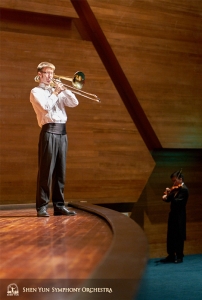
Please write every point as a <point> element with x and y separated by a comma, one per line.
<point>45,65</point>
<point>177,174</point>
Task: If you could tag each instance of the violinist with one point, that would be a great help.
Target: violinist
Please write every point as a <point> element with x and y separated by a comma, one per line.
<point>177,196</point>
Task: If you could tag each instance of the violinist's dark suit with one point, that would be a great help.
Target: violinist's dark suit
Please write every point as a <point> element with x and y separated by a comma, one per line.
<point>176,234</point>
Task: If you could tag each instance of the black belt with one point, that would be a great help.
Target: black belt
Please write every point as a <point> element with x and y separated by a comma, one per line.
<point>57,128</point>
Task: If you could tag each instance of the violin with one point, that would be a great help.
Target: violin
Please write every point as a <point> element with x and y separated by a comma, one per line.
<point>174,188</point>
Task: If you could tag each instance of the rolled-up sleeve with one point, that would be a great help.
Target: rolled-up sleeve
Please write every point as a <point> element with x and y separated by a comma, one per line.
<point>69,98</point>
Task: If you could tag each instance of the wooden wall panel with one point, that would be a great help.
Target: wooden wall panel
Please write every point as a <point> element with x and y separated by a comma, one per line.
<point>104,144</point>
<point>61,8</point>
<point>159,46</point>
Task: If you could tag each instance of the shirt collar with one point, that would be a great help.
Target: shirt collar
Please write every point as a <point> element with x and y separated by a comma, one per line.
<point>45,87</point>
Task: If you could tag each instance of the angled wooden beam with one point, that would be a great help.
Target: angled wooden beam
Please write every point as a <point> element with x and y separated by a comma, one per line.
<point>116,73</point>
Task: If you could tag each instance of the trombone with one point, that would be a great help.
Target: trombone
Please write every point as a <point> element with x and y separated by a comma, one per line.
<point>77,82</point>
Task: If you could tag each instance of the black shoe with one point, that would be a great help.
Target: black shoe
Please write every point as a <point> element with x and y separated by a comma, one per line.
<point>63,211</point>
<point>168,259</point>
<point>42,212</point>
<point>178,260</point>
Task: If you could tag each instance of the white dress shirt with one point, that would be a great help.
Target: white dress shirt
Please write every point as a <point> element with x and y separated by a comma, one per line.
<point>50,108</point>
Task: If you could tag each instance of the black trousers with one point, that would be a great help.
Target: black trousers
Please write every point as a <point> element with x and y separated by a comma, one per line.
<point>52,150</point>
<point>176,234</point>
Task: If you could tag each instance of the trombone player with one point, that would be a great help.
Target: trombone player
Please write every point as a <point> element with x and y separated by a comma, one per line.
<point>49,105</point>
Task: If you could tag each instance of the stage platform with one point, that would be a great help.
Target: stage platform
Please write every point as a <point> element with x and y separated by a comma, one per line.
<point>99,253</point>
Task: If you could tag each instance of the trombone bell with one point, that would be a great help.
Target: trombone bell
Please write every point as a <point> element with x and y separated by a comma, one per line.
<point>77,81</point>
